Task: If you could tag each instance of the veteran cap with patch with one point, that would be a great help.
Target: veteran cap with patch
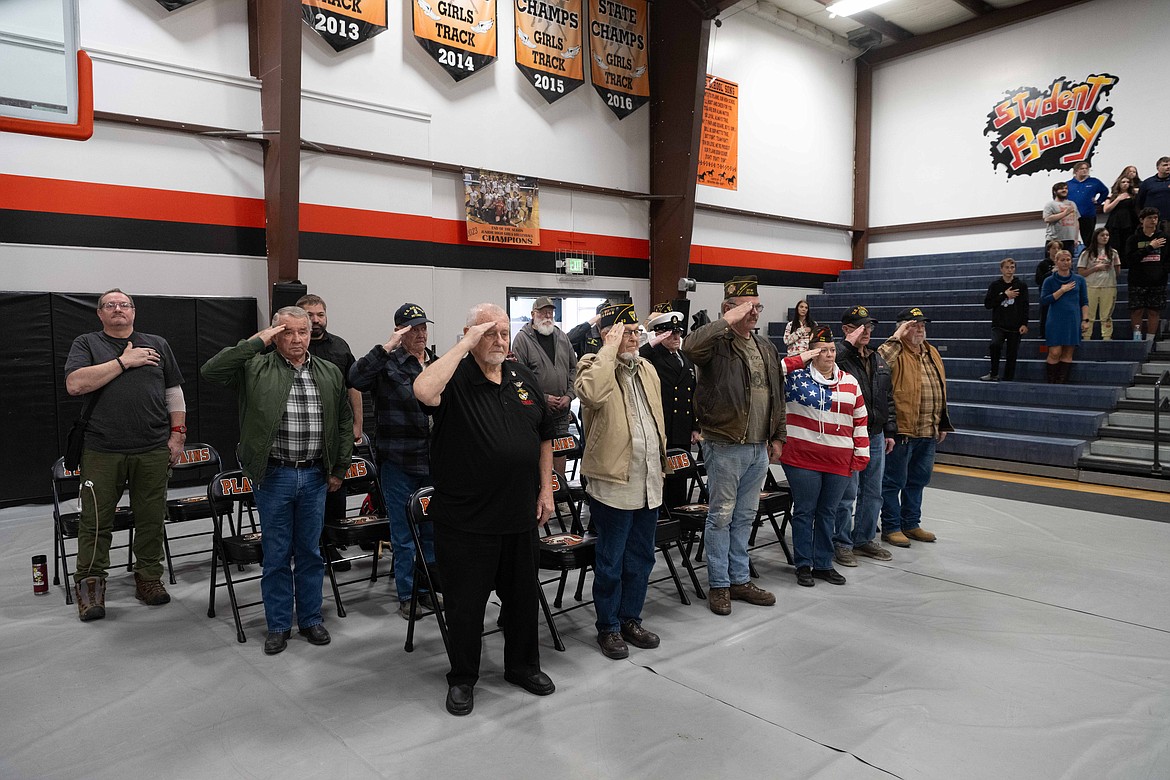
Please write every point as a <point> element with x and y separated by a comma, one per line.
<point>409,315</point>
<point>741,287</point>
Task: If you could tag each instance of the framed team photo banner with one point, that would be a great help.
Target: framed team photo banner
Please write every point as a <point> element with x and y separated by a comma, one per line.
<point>548,46</point>
<point>459,34</point>
<point>619,61</point>
<point>345,23</point>
<point>719,142</point>
<point>501,208</point>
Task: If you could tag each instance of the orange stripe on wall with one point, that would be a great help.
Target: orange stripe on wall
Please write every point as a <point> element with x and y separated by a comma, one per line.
<point>58,196</point>
<point>768,261</point>
<point>26,193</point>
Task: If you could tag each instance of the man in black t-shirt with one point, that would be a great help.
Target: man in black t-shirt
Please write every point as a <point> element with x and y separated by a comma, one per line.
<point>136,431</point>
<point>491,461</point>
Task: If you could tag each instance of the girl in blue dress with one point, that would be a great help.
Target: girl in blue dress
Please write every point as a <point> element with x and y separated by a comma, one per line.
<point>1067,298</point>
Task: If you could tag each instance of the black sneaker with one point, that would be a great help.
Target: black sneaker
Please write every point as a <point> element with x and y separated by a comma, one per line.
<point>989,378</point>
<point>830,576</point>
<point>804,577</point>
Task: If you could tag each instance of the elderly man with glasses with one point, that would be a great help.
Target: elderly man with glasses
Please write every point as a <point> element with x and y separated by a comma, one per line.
<point>624,462</point>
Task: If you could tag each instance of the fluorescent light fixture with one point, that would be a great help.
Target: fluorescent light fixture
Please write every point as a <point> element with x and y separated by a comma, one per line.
<point>850,7</point>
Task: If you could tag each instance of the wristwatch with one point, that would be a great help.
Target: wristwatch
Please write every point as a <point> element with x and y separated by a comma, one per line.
<point>179,429</point>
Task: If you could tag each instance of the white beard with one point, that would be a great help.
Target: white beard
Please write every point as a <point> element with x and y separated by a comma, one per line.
<point>544,328</point>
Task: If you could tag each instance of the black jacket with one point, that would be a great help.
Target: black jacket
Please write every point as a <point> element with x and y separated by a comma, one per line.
<point>678,393</point>
<point>585,338</point>
<point>1010,317</point>
<point>877,386</point>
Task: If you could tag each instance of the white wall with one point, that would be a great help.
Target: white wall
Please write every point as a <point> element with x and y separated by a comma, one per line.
<point>796,109</point>
<point>931,160</point>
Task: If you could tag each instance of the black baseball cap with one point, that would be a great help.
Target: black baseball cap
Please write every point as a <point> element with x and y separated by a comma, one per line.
<point>410,314</point>
<point>858,315</point>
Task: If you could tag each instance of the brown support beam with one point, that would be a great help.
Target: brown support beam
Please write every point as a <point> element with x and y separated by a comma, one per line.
<point>862,146</point>
<point>986,23</point>
<point>276,31</point>
<point>678,58</point>
<point>977,7</point>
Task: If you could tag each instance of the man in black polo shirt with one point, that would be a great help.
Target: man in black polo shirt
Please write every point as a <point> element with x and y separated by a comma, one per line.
<point>491,461</point>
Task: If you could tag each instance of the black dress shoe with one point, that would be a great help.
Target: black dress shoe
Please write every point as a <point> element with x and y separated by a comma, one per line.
<point>276,642</point>
<point>536,682</point>
<point>460,699</point>
<point>830,576</point>
<point>804,577</point>
<point>317,635</point>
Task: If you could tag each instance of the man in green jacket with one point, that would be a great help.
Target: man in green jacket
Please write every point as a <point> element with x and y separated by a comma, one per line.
<point>296,438</point>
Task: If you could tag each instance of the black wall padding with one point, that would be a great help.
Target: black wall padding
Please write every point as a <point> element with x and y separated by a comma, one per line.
<point>35,410</point>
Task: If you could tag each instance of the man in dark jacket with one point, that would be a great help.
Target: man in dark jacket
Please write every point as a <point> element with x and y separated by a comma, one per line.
<point>404,451</point>
<point>1007,297</point>
<point>739,402</point>
<point>855,532</point>
<point>676,374</point>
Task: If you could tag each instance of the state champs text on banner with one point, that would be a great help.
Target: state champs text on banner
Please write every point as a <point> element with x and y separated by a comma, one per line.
<point>620,61</point>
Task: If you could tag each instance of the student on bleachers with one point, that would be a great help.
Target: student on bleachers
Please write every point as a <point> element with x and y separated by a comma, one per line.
<point>1155,193</point>
<point>799,329</point>
<point>1007,297</point>
<point>1121,206</point>
<point>1043,271</point>
<point>1089,193</point>
<point>1067,296</point>
<point>1100,264</point>
<point>1061,218</point>
<point>1147,260</point>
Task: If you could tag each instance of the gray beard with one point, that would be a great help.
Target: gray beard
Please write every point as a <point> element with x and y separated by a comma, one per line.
<point>544,328</point>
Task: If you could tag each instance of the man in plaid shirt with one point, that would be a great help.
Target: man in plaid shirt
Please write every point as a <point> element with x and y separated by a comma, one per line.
<point>296,439</point>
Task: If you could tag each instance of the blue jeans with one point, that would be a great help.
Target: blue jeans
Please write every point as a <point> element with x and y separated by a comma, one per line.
<point>908,469</point>
<point>735,476</point>
<point>855,529</point>
<point>291,503</point>
<point>624,559</point>
<point>397,487</point>
<point>815,498</point>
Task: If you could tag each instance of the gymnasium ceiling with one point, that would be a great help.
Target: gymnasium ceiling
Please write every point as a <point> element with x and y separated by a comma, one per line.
<point>902,24</point>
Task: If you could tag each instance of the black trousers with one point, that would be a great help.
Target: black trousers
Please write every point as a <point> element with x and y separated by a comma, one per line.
<point>471,566</point>
<point>1087,226</point>
<point>998,338</point>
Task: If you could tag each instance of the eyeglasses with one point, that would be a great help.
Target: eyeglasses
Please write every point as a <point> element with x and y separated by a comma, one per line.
<point>112,305</point>
<point>759,307</point>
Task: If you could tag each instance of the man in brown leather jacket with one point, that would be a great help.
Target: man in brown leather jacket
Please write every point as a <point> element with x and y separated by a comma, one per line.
<point>740,407</point>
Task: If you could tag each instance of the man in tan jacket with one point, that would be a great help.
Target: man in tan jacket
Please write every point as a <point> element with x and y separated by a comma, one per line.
<point>624,462</point>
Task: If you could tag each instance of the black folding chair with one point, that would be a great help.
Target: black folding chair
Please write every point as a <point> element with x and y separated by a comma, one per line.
<point>196,458</point>
<point>427,576</point>
<point>775,499</point>
<point>229,495</point>
<point>67,487</point>
<point>370,524</point>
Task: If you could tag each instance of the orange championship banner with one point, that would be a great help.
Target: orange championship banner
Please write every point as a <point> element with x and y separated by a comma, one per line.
<point>549,46</point>
<point>501,208</point>
<point>459,34</point>
<point>719,142</point>
<point>345,23</point>
<point>619,60</point>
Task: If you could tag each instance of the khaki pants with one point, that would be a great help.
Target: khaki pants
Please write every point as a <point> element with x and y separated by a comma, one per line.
<point>146,475</point>
<point>1101,300</point>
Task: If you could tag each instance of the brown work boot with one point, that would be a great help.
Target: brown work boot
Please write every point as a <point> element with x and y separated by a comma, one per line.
<point>150,592</point>
<point>637,636</point>
<point>920,535</point>
<point>751,594</point>
<point>90,595</point>
<point>719,600</point>
<point>897,538</point>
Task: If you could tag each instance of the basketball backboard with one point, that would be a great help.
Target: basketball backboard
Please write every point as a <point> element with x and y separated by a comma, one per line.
<point>46,81</point>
